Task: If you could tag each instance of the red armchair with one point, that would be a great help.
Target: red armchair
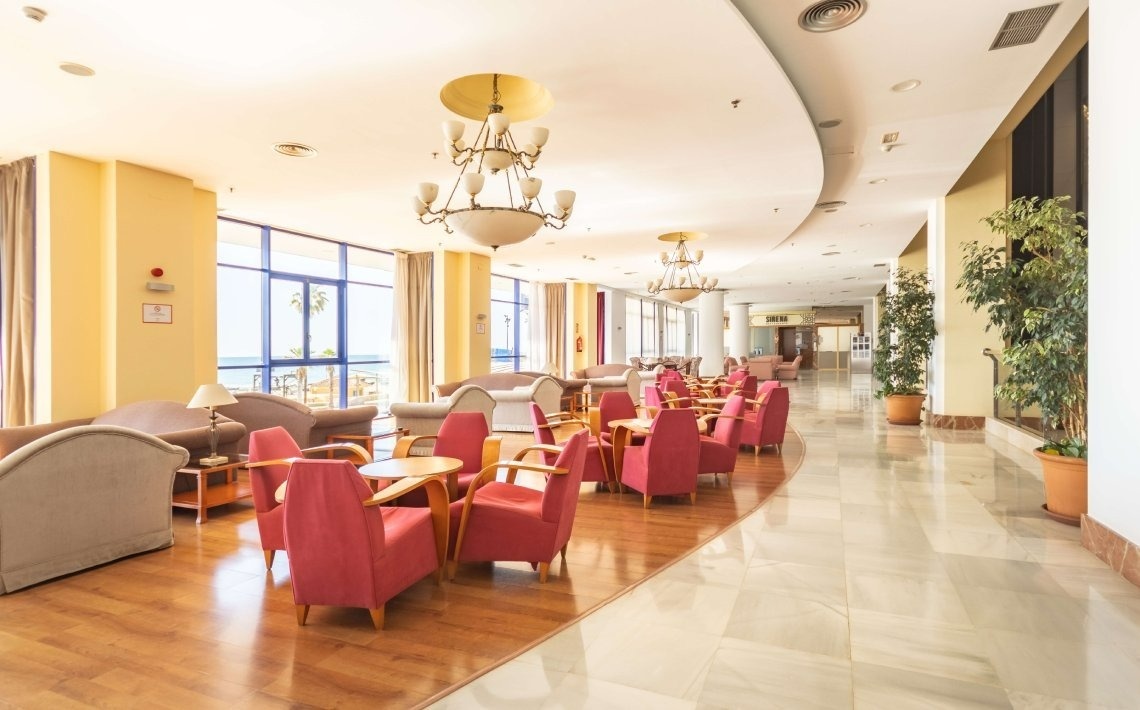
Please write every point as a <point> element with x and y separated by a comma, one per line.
<point>599,455</point>
<point>667,463</point>
<point>613,406</point>
<point>272,448</point>
<point>345,550</point>
<point>463,435</point>
<point>766,425</point>
<point>718,452</point>
<point>500,521</point>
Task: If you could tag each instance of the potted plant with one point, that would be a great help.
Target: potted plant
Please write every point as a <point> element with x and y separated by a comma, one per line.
<point>1040,306</point>
<point>906,338</point>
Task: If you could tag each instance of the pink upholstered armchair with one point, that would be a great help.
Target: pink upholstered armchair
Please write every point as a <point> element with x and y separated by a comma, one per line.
<point>500,521</point>
<point>273,448</point>
<point>463,435</point>
<point>345,550</point>
<point>766,425</point>
<point>612,406</point>
<point>718,452</point>
<point>667,463</point>
<point>599,454</point>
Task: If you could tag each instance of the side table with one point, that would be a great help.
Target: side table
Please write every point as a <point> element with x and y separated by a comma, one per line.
<point>204,495</point>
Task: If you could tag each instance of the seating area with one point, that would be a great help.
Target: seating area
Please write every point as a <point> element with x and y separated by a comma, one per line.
<point>513,392</point>
<point>307,426</point>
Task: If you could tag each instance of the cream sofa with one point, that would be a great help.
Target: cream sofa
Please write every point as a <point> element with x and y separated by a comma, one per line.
<point>307,426</point>
<point>513,392</point>
<point>607,378</point>
<point>83,496</point>
<point>425,418</point>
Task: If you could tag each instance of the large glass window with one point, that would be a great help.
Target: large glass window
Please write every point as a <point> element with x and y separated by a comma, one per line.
<point>302,317</point>
<point>510,325</point>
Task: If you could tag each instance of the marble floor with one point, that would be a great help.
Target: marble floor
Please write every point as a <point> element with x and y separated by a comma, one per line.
<point>902,567</point>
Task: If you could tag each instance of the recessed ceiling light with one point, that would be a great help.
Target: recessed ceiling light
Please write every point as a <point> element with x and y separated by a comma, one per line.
<point>830,253</point>
<point>850,278</point>
<point>832,209</point>
<point>630,273</point>
<point>550,244</point>
<point>832,203</point>
<point>830,123</point>
<point>515,266</point>
<point>587,257</point>
<point>877,181</point>
<point>295,150</point>
<point>881,263</point>
<point>76,69</point>
<point>866,224</point>
<point>571,278</point>
<point>907,85</point>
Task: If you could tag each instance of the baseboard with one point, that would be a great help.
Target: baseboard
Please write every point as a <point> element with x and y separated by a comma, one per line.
<point>955,421</point>
<point>1012,435</point>
<point>1119,553</point>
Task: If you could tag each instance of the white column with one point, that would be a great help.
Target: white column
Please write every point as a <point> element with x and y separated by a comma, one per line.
<point>738,340</point>
<point>710,345</point>
<point>1114,261</point>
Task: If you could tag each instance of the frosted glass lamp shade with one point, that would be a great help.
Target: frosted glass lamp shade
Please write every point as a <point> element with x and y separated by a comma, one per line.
<point>419,206</point>
<point>539,136</point>
<point>530,187</point>
<point>473,183</point>
<point>565,199</point>
<point>498,123</point>
<point>453,130</point>
<point>428,192</point>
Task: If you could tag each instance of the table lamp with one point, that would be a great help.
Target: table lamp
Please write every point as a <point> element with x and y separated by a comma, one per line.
<point>209,397</point>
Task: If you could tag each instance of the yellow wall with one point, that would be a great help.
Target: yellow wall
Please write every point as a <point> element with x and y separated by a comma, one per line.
<point>107,226</point>
<point>965,377</point>
<point>583,316</point>
<point>462,287</point>
<point>69,295</point>
<point>914,256</point>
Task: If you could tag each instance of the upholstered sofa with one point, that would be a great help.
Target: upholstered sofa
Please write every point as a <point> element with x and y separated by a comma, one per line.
<point>513,392</point>
<point>606,378</point>
<point>425,418</point>
<point>80,497</point>
<point>307,426</point>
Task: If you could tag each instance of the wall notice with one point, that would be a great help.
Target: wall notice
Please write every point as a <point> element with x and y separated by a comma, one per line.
<point>158,313</point>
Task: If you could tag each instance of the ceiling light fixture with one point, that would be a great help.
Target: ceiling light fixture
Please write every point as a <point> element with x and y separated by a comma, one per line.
<point>907,85</point>
<point>76,69</point>
<point>295,150</point>
<point>877,181</point>
<point>494,151</point>
<point>681,281</point>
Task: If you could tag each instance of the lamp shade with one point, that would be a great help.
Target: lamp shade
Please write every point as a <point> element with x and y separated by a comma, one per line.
<point>210,396</point>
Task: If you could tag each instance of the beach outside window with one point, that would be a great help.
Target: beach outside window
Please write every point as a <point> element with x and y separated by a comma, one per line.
<point>510,325</point>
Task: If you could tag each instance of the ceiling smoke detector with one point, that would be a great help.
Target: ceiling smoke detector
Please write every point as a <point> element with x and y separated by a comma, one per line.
<point>830,15</point>
<point>295,150</point>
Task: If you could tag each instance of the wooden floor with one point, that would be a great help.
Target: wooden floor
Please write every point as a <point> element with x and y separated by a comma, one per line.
<point>202,624</point>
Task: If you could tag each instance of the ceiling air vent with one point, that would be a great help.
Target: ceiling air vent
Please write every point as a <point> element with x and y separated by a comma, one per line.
<point>1023,27</point>
<point>295,150</point>
<point>830,15</point>
<point>829,205</point>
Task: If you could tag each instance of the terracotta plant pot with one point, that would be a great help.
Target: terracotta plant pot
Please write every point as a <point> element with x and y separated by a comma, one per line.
<point>904,408</point>
<point>1066,486</point>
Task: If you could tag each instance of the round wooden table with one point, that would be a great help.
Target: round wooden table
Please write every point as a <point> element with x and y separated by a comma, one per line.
<point>417,467</point>
<point>410,467</point>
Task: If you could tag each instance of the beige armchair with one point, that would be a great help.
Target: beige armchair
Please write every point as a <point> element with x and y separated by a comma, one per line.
<point>425,418</point>
<point>789,370</point>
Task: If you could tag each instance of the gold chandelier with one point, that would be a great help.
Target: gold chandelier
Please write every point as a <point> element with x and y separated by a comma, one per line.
<point>681,281</point>
<point>494,152</point>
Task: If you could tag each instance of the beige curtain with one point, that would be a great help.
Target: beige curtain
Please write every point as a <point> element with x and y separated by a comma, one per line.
<point>412,327</point>
<point>17,205</point>
<point>555,317</point>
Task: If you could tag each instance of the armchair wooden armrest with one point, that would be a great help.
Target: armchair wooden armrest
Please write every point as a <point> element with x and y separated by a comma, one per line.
<point>272,462</point>
<point>405,443</point>
<point>436,492</point>
<point>709,417</point>
<point>492,445</point>
<point>758,401</point>
<point>357,451</point>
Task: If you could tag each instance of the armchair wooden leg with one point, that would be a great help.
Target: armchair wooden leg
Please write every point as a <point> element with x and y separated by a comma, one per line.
<point>302,614</point>
<point>451,565</point>
<point>564,551</point>
<point>693,498</point>
<point>269,558</point>
<point>543,570</point>
<point>646,500</point>
<point>377,617</point>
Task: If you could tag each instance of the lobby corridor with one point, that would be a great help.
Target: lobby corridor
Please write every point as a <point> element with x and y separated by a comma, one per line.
<point>901,567</point>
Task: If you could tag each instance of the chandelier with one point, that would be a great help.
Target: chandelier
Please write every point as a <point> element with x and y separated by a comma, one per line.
<point>519,213</point>
<point>681,281</point>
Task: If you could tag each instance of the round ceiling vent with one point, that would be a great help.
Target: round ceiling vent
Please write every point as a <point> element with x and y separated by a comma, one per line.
<point>829,205</point>
<point>295,150</point>
<point>829,15</point>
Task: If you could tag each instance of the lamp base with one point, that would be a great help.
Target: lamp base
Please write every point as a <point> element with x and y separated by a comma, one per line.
<point>213,460</point>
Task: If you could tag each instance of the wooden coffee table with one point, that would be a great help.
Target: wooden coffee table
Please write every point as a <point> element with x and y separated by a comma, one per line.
<point>204,495</point>
<point>417,467</point>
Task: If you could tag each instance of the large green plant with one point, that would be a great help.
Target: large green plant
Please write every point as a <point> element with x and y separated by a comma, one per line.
<point>906,334</point>
<point>1040,306</point>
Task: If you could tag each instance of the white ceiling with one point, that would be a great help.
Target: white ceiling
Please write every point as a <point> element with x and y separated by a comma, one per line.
<point>643,127</point>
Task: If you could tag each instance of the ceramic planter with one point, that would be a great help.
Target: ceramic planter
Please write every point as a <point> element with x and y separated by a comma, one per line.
<point>1066,486</point>
<point>904,408</point>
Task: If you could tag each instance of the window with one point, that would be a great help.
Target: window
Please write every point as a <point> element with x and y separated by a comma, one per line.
<point>510,325</point>
<point>302,317</point>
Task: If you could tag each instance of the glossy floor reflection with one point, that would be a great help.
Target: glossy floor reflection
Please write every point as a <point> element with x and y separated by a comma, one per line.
<point>901,567</point>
